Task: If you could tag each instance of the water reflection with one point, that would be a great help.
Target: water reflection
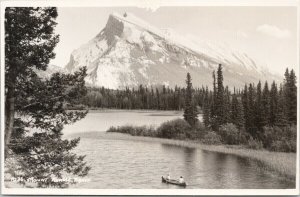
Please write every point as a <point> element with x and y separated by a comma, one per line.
<point>126,164</point>
<point>133,164</point>
<point>188,159</point>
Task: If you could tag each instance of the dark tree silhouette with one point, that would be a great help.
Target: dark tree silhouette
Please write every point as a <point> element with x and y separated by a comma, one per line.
<point>219,105</point>
<point>39,103</point>
<point>190,110</point>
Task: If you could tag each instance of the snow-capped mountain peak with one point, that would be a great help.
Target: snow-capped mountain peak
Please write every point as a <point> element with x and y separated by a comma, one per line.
<point>129,51</point>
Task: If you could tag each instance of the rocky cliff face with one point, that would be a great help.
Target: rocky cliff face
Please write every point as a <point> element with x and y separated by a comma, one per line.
<point>129,52</point>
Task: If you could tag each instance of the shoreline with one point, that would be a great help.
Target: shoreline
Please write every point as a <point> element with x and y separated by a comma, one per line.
<point>282,163</point>
<point>126,110</point>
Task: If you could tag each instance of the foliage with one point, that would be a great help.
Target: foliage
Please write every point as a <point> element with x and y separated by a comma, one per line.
<point>135,130</point>
<point>211,138</point>
<point>258,118</point>
<point>143,97</point>
<point>254,144</point>
<point>282,146</point>
<point>251,108</point>
<point>37,134</point>
<point>249,111</point>
<point>273,104</point>
<point>35,109</point>
<point>175,129</point>
<point>29,40</point>
<point>290,96</point>
<point>47,156</point>
<point>251,127</point>
<point>190,111</point>
<point>29,44</point>
<point>198,131</point>
<point>237,112</point>
<point>206,110</point>
<point>230,134</point>
<point>282,139</point>
<point>255,117</point>
<point>265,104</point>
<point>220,97</point>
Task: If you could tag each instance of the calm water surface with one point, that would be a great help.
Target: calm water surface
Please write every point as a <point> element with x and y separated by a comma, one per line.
<point>132,164</point>
<point>97,120</point>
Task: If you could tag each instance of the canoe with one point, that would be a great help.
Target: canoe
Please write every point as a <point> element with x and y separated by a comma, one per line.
<point>172,181</point>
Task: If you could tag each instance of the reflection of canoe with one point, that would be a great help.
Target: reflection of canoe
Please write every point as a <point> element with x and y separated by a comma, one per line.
<point>172,181</point>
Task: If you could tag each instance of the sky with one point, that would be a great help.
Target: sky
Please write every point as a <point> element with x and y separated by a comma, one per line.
<point>267,34</point>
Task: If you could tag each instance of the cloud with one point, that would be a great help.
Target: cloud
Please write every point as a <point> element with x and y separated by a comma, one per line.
<point>274,31</point>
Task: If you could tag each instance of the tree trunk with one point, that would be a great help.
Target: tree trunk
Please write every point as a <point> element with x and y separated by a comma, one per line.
<point>9,116</point>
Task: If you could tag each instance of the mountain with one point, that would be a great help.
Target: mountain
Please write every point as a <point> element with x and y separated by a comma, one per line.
<point>129,52</point>
<point>51,69</point>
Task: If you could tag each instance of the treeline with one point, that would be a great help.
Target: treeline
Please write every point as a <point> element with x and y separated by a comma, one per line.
<point>267,115</point>
<point>252,107</point>
<point>155,98</point>
<point>255,116</point>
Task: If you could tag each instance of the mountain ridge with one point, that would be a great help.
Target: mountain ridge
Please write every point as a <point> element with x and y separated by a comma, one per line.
<point>128,51</point>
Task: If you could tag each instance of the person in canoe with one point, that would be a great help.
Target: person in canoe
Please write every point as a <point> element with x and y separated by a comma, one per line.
<point>181,180</point>
<point>168,177</point>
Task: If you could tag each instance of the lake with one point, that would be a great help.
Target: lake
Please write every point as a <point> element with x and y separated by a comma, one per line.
<point>101,120</point>
<point>131,164</point>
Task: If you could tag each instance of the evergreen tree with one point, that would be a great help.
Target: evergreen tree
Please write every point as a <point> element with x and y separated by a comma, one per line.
<point>237,115</point>
<point>286,76</point>
<point>190,111</point>
<point>152,99</point>
<point>206,109</point>
<point>291,96</point>
<point>265,100</point>
<point>29,44</point>
<point>252,129</point>
<point>213,102</point>
<point>281,119</point>
<point>246,107</point>
<point>220,98</point>
<point>286,92</point>
<point>273,104</point>
<point>158,99</point>
<point>258,109</point>
<point>240,121</point>
<point>227,106</point>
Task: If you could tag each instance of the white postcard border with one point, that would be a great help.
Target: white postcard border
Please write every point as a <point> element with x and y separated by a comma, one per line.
<point>150,4</point>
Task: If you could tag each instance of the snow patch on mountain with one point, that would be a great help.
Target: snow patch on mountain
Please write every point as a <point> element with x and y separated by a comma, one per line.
<point>130,51</point>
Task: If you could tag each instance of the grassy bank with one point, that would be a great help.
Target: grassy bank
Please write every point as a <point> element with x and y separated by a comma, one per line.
<point>279,162</point>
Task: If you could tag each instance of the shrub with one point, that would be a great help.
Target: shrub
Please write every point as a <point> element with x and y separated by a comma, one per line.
<point>112,129</point>
<point>283,146</point>
<point>279,146</point>
<point>254,144</point>
<point>176,129</point>
<point>134,130</point>
<point>268,136</point>
<point>293,146</point>
<point>199,131</point>
<point>211,138</point>
<point>281,139</point>
<point>145,131</point>
<point>230,134</point>
<point>244,137</point>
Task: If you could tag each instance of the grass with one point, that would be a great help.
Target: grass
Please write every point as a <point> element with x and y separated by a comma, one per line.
<point>280,162</point>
